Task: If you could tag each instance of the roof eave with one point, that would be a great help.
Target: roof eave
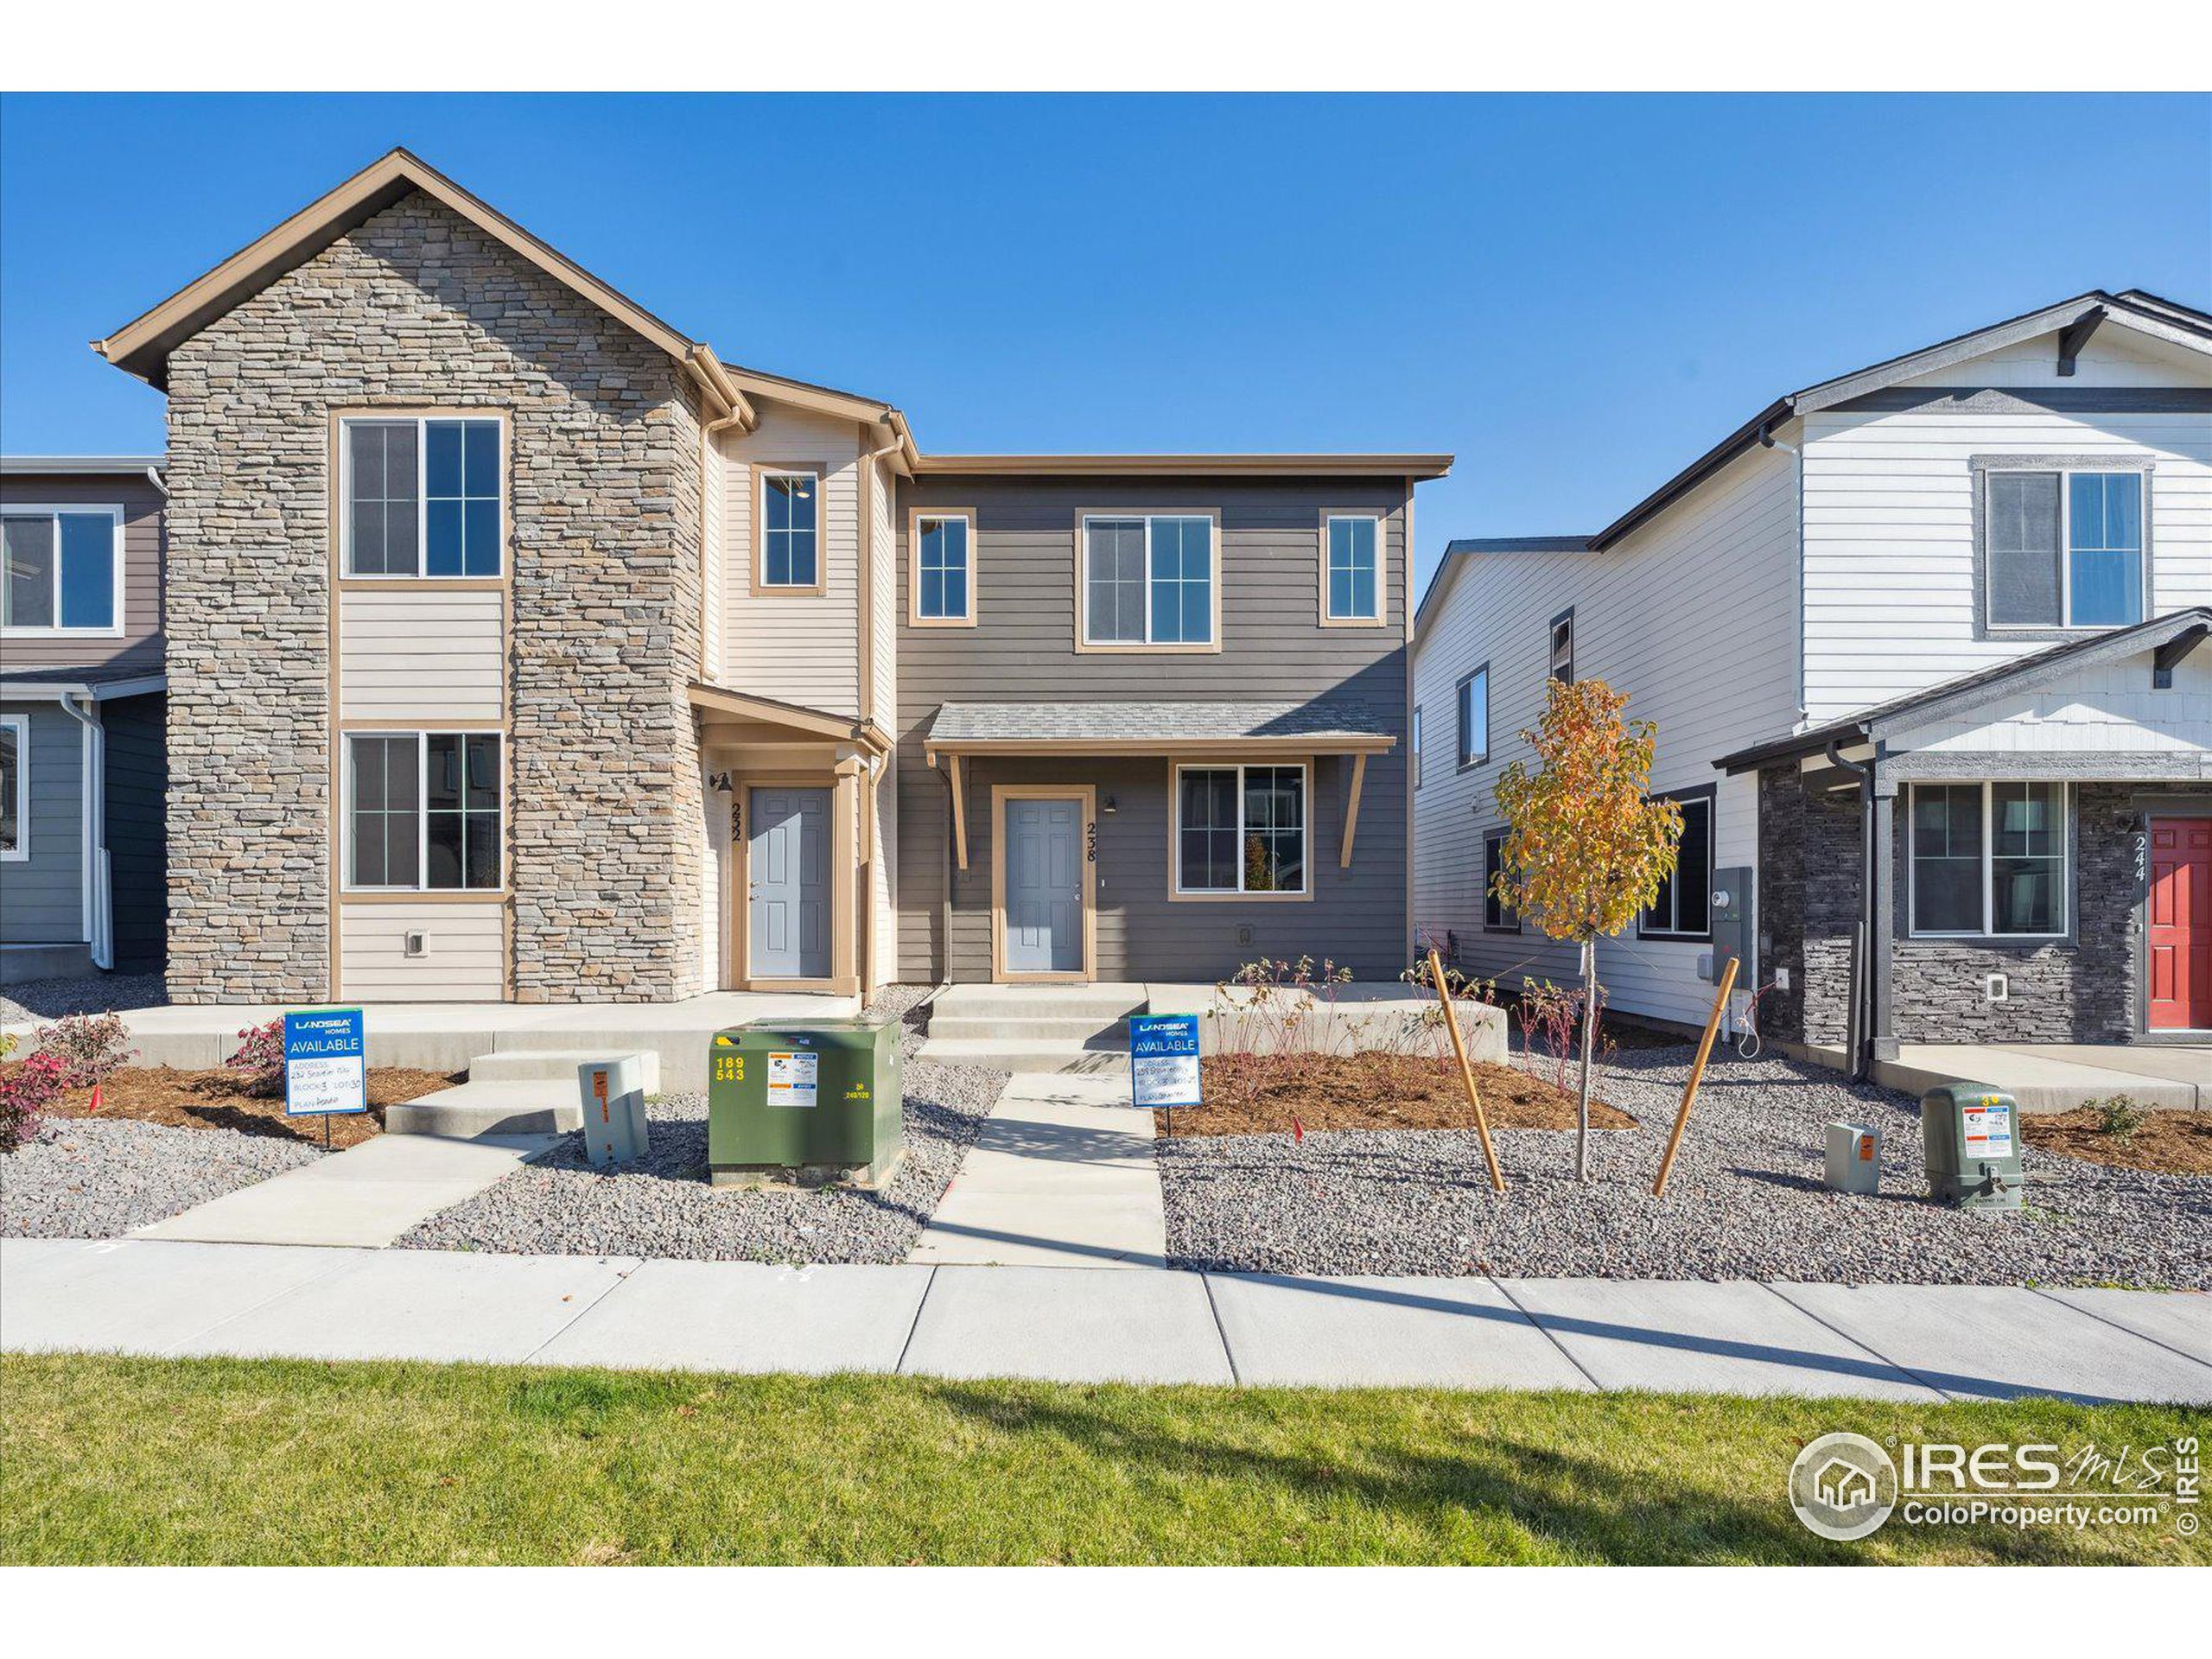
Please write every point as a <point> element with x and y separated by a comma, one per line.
<point>1420,468</point>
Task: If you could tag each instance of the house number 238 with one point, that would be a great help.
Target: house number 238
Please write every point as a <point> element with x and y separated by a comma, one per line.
<point>1090,842</point>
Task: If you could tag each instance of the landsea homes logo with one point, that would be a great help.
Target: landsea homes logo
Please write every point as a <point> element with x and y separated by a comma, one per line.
<point>1845,1486</point>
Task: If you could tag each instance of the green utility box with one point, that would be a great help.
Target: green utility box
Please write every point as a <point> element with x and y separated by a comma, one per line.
<point>813,1101</point>
<point>1971,1135</point>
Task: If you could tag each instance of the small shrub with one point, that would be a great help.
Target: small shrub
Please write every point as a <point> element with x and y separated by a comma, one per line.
<point>91,1047</point>
<point>25,1092</point>
<point>2121,1117</point>
<point>261,1056</point>
<point>1551,1026</point>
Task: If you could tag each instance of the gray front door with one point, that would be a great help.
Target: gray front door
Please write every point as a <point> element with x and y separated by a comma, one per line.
<point>1044,886</point>
<point>787,927</point>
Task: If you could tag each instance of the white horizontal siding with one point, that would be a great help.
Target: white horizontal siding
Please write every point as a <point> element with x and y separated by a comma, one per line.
<point>1890,595</point>
<point>1695,617</point>
<point>410,656</point>
<point>2115,356</point>
<point>2110,708</point>
<point>797,648</point>
<point>464,959</point>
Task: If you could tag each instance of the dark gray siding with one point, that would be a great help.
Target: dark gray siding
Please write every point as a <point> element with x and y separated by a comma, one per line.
<point>40,900</point>
<point>137,774</point>
<point>1274,647</point>
<point>143,570</point>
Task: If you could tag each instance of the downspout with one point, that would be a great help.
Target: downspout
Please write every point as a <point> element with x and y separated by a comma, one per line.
<point>1856,1026</point>
<point>99,899</point>
<point>951,875</point>
<point>864,656</point>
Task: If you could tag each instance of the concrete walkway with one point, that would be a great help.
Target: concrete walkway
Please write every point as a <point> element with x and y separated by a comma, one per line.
<point>1923,1343</point>
<point>2059,1077</point>
<point>1062,1176</point>
<point>366,1195</point>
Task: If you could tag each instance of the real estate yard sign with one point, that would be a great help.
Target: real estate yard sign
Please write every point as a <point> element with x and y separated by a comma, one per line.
<point>1164,1059</point>
<point>326,1063</point>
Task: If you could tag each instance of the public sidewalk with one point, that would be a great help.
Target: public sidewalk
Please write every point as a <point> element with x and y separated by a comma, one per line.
<point>1062,1176</point>
<point>147,1296</point>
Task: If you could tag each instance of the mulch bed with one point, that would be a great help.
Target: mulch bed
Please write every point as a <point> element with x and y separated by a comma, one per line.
<point>217,1100</point>
<point>2167,1143</point>
<point>1248,1094</point>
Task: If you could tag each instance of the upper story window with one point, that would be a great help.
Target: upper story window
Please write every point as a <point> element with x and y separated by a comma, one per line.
<point>790,511</point>
<point>64,570</point>
<point>1989,860</point>
<point>2064,549</point>
<point>1474,717</point>
<point>1561,661</point>
<point>1416,746</point>
<point>942,543</point>
<point>1351,576</point>
<point>1240,829</point>
<point>1683,909</point>
<point>423,811</point>
<point>424,496</point>
<point>1147,583</point>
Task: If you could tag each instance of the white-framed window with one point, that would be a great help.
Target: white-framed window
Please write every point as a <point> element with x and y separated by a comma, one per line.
<point>944,566</point>
<point>64,571</point>
<point>1989,861</point>
<point>424,812</point>
<point>14,788</point>
<point>2063,548</point>
<point>1352,576</point>
<point>1241,830</point>
<point>1148,580</point>
<point>1683,909</point>
<point>790,528</point>
<point>1560,660</point>
<point>424,495</point>
<point>1498,917</point>
<point>1474,717</point>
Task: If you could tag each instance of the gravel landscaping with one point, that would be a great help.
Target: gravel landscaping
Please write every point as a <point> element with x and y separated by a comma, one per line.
<point>664,1207</point>
<point>1745,1200</point>
<point>40,1000</point>
<point>82,1179</point>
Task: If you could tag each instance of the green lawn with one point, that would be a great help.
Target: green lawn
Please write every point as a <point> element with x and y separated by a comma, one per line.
<point>109,1459</point>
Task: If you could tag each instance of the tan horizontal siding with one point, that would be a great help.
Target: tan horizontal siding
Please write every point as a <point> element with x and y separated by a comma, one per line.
<point>465,961</point>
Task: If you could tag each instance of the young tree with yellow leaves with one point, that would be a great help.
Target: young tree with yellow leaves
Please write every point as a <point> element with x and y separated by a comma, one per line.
<point>1586,847</point>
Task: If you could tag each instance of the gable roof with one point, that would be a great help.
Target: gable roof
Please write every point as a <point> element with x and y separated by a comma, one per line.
<point>2178,630</point>
<point>142,346</point>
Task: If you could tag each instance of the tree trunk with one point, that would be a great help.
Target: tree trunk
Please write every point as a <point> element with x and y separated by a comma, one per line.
<point>1589,1035</point>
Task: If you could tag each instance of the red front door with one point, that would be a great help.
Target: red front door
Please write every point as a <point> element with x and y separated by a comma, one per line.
<point>2181,923</point>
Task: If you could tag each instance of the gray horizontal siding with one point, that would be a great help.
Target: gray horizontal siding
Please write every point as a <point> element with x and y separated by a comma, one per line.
<point>1273,648</point>
<point>137,777</point>
<point>40,900</point>
<point>143,574</point>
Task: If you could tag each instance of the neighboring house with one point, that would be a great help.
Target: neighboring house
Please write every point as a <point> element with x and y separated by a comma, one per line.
<point>1971,585</point>
<point>523,650</point>
<point>82,883</point>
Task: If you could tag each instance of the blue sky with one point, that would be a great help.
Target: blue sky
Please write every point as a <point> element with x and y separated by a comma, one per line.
<point>1573,294</point>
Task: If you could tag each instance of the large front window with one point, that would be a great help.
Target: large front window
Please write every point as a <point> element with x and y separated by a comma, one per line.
<point>1989,860</point>
<point>424,810</point>
<point>2063,549</point>
<point>424,497</point>
<point>64,570</point>
<point>1148,580</point>
<point>1240,829</point>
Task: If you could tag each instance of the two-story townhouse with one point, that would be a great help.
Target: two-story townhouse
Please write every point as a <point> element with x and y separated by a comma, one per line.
<point>1923,644</point>
<point>523,650</point>
<point>82,884</point>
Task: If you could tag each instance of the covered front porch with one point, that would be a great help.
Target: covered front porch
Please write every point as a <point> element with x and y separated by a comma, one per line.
<point>797,895</point>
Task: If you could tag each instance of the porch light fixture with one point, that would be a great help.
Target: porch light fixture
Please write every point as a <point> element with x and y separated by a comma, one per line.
<point>1108,808</point>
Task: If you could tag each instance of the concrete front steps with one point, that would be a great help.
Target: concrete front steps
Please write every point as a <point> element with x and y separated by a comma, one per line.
<point>511,1091</point>
<point>1052,1028</point>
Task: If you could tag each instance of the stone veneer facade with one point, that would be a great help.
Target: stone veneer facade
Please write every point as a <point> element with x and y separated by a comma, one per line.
<point>418,307</point>
<point>2086,987</point>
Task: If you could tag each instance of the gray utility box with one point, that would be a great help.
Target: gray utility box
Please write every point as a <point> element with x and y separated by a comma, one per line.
<point>1854,1158</point>
<point>1971,1135</point>
<point>613,1099</point>
<point>1734,913</point>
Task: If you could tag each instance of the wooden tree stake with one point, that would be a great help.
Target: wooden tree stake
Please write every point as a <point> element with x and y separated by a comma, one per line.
<point>1466,1070</point>
<point>1697,1075</point>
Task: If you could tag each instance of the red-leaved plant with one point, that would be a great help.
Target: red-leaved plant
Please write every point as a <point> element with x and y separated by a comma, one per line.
<point>91,1047</point>
<point>25,1092</point>
<point>261,1056</point>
